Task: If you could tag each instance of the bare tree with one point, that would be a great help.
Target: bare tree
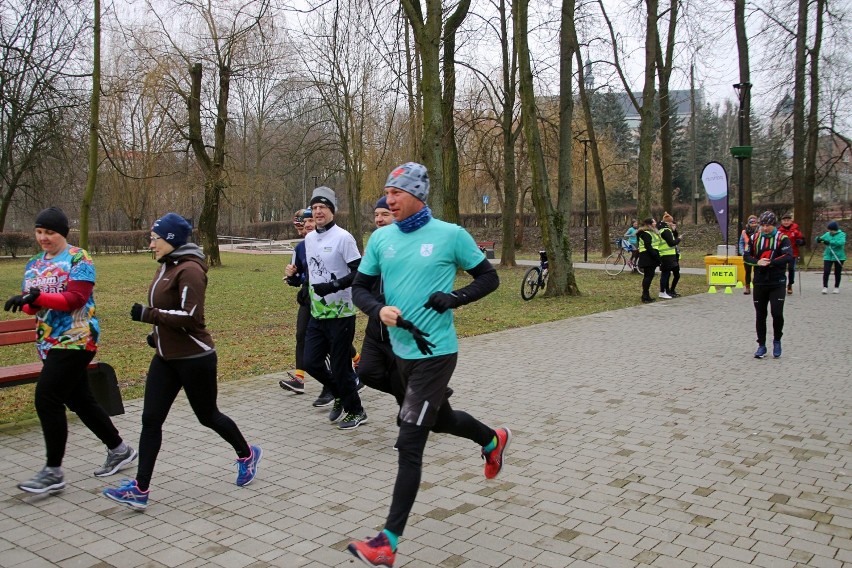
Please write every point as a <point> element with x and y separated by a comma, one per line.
<point>552,220</point>
<point>225,29</point>
<point>38,41</point>
<point>429,32</point>
<point>646,108</point>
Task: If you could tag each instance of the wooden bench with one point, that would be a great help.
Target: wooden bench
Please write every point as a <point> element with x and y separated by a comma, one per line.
<point>487,247</point>
<point>102,378</point>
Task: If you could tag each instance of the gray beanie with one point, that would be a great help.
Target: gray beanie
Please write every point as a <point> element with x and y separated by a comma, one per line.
<point>412,178</point>
<point>324,195</point>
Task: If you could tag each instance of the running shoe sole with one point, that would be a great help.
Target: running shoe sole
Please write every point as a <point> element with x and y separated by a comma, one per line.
<point>55,488</point>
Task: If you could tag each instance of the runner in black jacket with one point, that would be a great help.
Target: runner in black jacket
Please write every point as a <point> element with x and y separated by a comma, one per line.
<point>769,252</point>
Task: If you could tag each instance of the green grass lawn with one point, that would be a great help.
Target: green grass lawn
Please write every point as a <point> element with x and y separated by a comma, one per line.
<point>251,313</point>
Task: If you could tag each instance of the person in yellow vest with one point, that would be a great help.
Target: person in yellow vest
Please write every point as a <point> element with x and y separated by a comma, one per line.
<point>669,264</point>
<point>649,255</point>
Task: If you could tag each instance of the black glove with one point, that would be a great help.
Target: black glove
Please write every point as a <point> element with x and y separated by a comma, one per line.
<point>441,302</point>
<point>800,242</point>
<point>17,303</point>
<point>149,339</point>
<point>419,336</point>
<point>136,312</point>
<point>326,288</point>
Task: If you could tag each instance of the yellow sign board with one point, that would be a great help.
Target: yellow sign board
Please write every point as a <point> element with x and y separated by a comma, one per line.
<point>722,275</point>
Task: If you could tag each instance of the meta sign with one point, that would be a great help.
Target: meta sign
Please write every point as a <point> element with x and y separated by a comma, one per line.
<point>722,275</point>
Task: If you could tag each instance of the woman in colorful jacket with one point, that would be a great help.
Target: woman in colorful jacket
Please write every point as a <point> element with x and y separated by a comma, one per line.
<point>58,289</point>
<point>834,255</point>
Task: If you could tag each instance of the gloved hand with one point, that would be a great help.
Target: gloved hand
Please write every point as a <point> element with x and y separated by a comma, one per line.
<point>326,288</point>
<point>136,312</point>
<point>800,242</point>
<point>441,302</point>
<point>423,344</point>
<point>17,303</point>
<point>149,339</point>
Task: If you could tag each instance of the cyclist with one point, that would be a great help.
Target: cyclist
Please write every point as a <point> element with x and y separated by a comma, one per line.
<point>633,241</point>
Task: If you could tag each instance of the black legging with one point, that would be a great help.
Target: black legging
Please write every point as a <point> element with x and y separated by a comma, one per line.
<point>774,296</point>
<point>669,269</point>
<point>648,277</point>
<point>412,442</point>
<point>64,382</point>
<point>333,338</point>
<point>747,268</point>
<point>826,270</point>
<point>197,377</point>
<point>303,316</point>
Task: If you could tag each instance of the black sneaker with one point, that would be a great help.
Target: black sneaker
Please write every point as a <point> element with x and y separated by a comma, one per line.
<point>647,300</point>
<point>324,399</point>
<point>293,384</point>
<point>336,411</point>
<point>352,420</point>
<point>674,294</point>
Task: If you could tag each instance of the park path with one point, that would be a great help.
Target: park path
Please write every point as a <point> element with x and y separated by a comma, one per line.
<point>646,436</point>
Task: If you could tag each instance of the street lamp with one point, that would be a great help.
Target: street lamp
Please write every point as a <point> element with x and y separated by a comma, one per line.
<point>585,199</point>
<point>741,152</point>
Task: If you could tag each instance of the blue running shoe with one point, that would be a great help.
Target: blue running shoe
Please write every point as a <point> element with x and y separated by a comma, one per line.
<point>129,494</point>
<point>761,352</point>
<point>776,348</point>
<point>248,466</point>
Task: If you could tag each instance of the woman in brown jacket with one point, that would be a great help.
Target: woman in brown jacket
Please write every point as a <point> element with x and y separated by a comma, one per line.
<point>185,358</point>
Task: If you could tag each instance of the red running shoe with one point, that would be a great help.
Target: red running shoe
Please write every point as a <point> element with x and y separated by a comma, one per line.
<point>375,551</point>
<point>494,458</point>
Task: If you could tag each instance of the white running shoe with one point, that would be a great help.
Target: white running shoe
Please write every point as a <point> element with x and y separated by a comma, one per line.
<point>836,291</point>
<point>664,296</point>
<point>825,290</point>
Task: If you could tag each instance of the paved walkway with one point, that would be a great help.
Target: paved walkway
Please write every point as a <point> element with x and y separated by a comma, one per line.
<point>646,436</point>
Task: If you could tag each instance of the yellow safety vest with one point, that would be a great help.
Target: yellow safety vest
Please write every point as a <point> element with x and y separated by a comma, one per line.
<point>655,241</point>
<point>664,247</point>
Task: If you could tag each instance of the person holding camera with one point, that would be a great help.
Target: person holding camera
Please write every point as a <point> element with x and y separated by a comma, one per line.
<point>58,289</point>
<point>834,256</point>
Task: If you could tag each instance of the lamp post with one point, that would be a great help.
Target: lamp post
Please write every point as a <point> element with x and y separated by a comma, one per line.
<point>585,199</point>
<point>741,152</point>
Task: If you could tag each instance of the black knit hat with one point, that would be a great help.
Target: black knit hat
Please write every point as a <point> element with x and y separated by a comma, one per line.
<point>52,219</point>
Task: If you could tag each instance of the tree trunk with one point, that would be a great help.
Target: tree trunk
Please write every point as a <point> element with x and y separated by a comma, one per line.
<point>745,77</point>
<point>451,152</point>
<point>509,135</point>
<point>603,210</point>
<point>646,114</point>
<point>552,222</point>
<point>427,37</point>
<point>94,119</point>
<point>664,72</point>
<point>211,169</point>
<point>806,213</point>
<point>800,203</point>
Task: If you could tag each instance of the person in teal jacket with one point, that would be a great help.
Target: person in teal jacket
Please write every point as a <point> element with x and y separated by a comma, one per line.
<point>834,256</point>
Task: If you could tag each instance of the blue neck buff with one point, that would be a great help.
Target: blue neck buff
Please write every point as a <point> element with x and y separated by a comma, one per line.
<point>415,221</point>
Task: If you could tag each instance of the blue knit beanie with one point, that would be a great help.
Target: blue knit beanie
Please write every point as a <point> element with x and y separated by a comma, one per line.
<point>833,226</point>
<point>173,228</point>
<point>382,203</point>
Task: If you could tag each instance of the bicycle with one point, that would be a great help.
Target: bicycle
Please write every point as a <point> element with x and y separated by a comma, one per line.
<point>535,278</point>
<point>615,263</point>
